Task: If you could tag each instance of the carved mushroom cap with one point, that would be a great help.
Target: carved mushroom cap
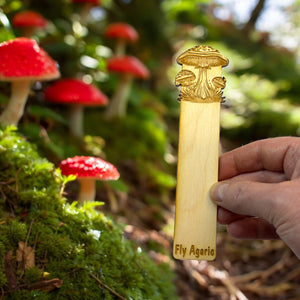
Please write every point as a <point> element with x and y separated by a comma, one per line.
<point>185,77</point>
<point>219,82</point>
<point>203,57</point>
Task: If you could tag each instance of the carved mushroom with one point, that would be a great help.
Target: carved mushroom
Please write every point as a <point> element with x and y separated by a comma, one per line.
<point>77,94</point>
<point>21,62</point>
<point>88,169</point>
<point>203,58</point>
<point>122,33</point>
<point>219,83</point>
<point>185,78</point>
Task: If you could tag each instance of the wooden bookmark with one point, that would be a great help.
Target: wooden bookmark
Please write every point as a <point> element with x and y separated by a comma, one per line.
<point>200,95</point>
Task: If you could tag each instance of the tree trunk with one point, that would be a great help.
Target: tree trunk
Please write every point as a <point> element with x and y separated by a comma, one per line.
<point>256,12</point>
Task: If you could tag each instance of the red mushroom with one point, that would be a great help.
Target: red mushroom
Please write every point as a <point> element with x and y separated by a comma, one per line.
<point>78,94</point>
<point>28,21</point>
<point>88,170</point>
<point>129,67</point>
<point>123,33</point>
<point>21,62</point>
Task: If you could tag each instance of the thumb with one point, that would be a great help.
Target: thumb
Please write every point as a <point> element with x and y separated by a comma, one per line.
<point>249,198</point>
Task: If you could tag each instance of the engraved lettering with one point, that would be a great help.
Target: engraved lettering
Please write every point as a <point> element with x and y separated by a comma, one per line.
<point>180,250</point>
<point>197,252</point>
<point>192,250</point>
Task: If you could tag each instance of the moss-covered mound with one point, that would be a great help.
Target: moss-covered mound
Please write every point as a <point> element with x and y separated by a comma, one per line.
<point>50,249</point>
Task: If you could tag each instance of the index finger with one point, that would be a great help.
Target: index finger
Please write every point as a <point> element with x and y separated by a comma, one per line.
<point>269,154</point>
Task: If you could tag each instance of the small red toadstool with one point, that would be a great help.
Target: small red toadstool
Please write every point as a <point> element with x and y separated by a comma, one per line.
<point>78,94</point>
<point>28,20</point>
<point>21,62</point>
<point>129,67</point>
<point>88,170</point>
<point>123,33</point>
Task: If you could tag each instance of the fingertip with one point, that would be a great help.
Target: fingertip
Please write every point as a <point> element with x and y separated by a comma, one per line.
<point>217,191</point>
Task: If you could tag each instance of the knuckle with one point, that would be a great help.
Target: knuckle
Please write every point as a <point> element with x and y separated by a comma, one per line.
<point>239,194</point>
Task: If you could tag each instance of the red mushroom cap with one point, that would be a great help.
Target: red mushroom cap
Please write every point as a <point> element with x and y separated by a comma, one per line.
<point>122,31</point>
<point>91,167</point>
<point>22,58</point>
<point>75,91</point>
<point>29,18</point>
<point>128,65</point>
<point>95,2</point>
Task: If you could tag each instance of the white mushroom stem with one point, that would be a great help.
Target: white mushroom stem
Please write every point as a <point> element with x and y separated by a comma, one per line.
<point>15,107</point>
<point>120,47</point>
<point>118,104</point>
<point>87,190</point>
<point>85,12</point>
<point>28,31</point>
<point>76,121</point>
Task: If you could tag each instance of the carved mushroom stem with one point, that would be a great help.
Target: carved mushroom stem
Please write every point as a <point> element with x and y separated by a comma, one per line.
<point>202,86</point>
<point>87,191</point>
<point>15,107</point>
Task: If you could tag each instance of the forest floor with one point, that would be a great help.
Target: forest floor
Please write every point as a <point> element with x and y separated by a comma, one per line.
<point>242,269</point>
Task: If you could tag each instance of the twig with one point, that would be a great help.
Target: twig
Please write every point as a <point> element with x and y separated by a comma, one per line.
<point>267,291</point>
<point>9,181</point>
<point>107,287</point>
<point>43,285</point>
<point>263,275</point>
<point>28,233</point>
<point>226,281</point>
<point>293,274</point>
<point>204,268</point>
<point>2,293</point>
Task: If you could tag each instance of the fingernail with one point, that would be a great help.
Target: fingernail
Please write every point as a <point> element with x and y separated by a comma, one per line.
<point>217,191</point>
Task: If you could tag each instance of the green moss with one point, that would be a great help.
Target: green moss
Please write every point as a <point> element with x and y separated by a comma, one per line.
<point>77,245</point>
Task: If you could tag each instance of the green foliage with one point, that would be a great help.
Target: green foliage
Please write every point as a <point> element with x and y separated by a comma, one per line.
<point>188,11</point>
<point>77,245</point>
<point>254,111</point>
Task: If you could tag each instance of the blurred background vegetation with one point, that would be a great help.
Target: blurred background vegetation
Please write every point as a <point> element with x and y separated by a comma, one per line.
<point>262,91</point>
<point>262,77</point>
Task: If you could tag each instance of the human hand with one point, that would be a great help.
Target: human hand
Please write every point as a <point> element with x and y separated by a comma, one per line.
<point>259,192</point>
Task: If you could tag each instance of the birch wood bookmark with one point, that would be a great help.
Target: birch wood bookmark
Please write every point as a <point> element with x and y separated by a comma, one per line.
<point>198,153</point>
